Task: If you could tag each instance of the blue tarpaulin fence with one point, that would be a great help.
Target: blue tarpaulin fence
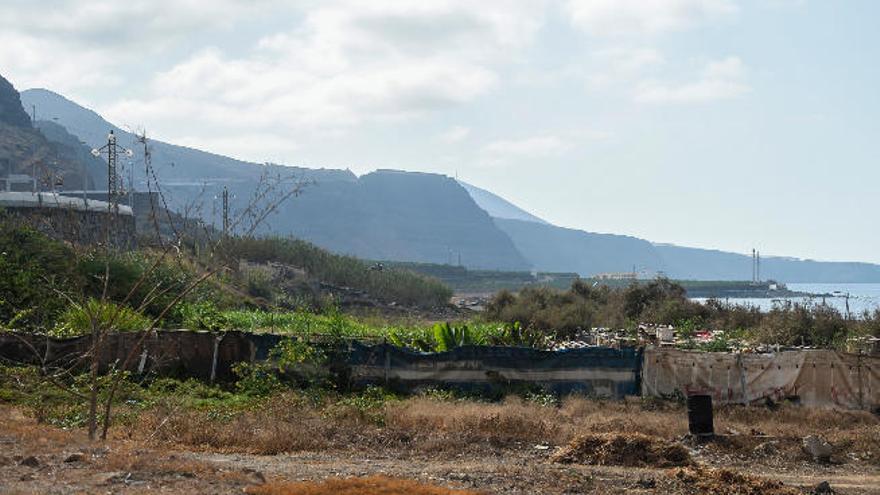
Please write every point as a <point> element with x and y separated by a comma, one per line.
<point>592,371</point>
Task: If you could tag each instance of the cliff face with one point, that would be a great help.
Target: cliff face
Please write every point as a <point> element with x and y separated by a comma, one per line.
<point>11,111</point>
<point>54,157</point>
<point>400,216</point>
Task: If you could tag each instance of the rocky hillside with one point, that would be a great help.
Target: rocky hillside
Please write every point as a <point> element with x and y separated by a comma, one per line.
<point>61,164</point>
<point>11,111</point>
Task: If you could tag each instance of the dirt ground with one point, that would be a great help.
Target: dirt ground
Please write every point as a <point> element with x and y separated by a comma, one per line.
<point>41,459</point>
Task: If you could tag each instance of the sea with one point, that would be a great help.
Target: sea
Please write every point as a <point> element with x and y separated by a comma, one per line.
<point>862,297</point>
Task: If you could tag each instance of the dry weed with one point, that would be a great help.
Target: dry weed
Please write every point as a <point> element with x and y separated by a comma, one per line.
<point>374,485</point>
<point>460,425</point>
<point>626,449</point>
<point>699,480</point>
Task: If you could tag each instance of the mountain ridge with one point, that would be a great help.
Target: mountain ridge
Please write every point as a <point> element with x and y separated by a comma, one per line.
<point>347,215</point>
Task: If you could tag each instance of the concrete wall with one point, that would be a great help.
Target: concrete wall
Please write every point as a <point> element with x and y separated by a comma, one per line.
<point>70,219</point>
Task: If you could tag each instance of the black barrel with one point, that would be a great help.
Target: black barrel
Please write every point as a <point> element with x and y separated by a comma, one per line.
<point>700,415</point>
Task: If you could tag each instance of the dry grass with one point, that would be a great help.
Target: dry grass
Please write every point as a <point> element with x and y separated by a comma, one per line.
<point>427,425</point>
<point>149,463</point>
<point>374,485</point>
<point>698,480</point>
<point>623,449</point>
<point>433,425</point>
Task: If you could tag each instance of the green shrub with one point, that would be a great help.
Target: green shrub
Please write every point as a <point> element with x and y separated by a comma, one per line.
<point>34,272</point>
<point>102,315</point>
<point>389,285</point>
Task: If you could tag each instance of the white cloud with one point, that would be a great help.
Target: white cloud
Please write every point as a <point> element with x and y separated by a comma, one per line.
<point>719,80</point>
<point>455,134</point>
<point>343,65</point>
<point>622,64</point>
<point>73,45</point>
<point>534,146</point>
<point>639,17</point>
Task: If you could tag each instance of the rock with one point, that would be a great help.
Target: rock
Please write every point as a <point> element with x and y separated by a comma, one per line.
<point>818,448</point>
<point>255,476</point>
<point>30,461</point>
<point>823,488</point>
<point>76,457</point>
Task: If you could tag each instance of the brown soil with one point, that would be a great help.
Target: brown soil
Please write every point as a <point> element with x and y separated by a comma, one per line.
<point>623,449</point>
<point>507,447</point>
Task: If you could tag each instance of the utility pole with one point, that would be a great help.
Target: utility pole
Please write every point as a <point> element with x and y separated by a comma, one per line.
<point>112,149</point>
<point>758,266</point>
<point>225,211</point>
<point>753,265</point>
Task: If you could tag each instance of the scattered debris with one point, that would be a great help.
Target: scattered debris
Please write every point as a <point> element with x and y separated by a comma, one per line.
<point>633,449</point>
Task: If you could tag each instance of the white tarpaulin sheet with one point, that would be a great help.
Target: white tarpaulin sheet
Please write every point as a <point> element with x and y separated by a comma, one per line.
<point>814,378</point>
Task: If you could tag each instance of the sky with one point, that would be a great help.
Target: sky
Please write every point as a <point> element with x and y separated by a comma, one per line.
<point>722,124</point>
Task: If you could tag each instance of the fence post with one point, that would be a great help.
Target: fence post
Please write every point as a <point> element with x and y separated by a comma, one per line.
<point>861,385</point>
<point>217,340</point>
<point>387,361</point>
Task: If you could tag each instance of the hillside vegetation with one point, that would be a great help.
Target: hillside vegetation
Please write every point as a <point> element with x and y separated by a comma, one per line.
<point>39,276</point>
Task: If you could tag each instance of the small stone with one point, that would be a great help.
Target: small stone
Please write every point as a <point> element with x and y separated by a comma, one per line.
<point>76,457</point>
<point>542,447</point>
<point>30,461</point>
<point>823,488</point>
<point>255,476</point>
<point>818,448</point>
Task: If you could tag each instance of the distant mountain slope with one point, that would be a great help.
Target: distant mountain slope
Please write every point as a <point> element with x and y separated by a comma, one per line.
<point>498,207</point>
<point>93,129</point>
<point>556,249</point>
<point>385,215</point>
<point>551,248</point>
<point>395,216</point>
<point>693,263</point>
<point>400,216</point>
